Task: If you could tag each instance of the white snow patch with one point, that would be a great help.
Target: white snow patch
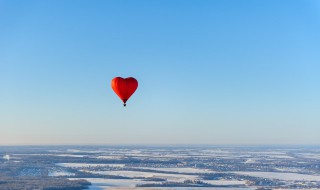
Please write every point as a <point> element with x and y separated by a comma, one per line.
<point>225,182</point>
<point>60,173</point>
<point>282,176</point>
<point>100,183</point>
<point>250,161</point>
<point>180,170</point>
<point>6,157</point>
<point>138,174</point>
<point>293,170</point>
<point>71,155</point>
<point>110,157</point>
<point>310,155</point>
<point>85,165</point>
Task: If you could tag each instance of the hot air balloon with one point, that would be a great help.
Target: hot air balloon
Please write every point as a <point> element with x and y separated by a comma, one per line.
<point>124,88</point>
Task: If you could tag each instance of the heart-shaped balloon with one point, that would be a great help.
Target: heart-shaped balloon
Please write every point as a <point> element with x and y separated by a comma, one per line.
<point>124,88</point>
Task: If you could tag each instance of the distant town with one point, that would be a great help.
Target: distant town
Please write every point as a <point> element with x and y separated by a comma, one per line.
<point>159,167</point>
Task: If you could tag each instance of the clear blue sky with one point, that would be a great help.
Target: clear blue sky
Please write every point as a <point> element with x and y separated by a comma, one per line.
<point>209,72</point>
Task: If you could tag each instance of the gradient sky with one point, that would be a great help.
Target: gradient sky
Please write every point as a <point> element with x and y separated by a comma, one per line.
<point>209,72</point>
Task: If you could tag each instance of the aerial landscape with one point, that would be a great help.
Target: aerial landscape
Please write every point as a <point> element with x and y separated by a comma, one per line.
<point>160,167</point>
<point>159,94</point>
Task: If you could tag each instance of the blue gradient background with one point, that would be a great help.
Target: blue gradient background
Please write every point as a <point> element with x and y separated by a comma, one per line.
<point>209,72</point>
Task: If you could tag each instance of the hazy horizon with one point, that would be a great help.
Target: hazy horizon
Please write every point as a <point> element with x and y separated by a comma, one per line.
<point>209,72</point>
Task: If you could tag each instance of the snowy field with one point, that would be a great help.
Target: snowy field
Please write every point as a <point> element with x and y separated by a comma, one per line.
<point>170,168</point>
<point>180,170</point>
<point>137,174</point>
<point>283,176</point>
<point>108,184</point>
<point>85,165</point>
<point>310,156</point>
<point>60,173</point>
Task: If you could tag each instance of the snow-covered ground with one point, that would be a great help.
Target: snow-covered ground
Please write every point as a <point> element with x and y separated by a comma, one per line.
<point>99,183</point>
<point>250,161</point>
<point>85,165</point>
<point>293,170</point>
<point>225,182</point>
<point>108,157</point>
<point>310,155</point>
<point>109,184</point>
<point>180,170</point>
<point>138,174</point>
<point>282,176</point>
<point>71,155</point>
<point>6,157</point>
<point>60,173</point>
<point>64,155</point>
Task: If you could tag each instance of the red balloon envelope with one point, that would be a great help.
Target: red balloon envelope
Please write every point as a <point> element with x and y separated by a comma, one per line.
<point>124,88</point>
